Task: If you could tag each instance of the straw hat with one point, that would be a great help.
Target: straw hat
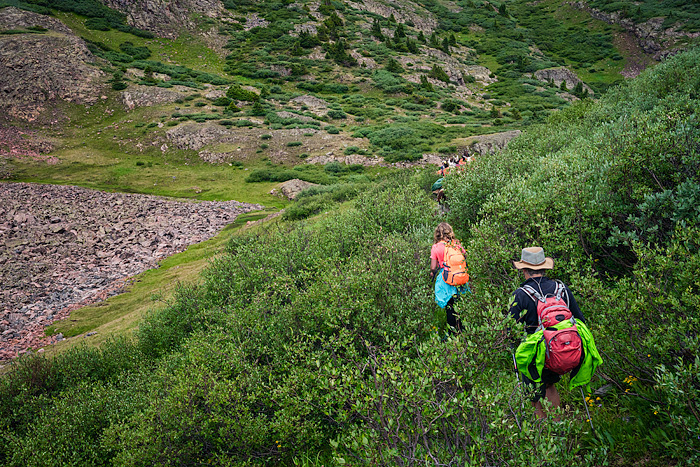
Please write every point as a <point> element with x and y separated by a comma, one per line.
<point>533,258</point>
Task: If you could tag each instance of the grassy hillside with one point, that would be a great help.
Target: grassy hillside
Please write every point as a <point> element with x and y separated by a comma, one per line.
<point>393,80</point>
<point>400,80</point>
<point>318,343</point>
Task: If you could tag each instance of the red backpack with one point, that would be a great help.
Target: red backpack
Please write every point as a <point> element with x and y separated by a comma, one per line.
<point>564,348</point>
<point>454,265</point>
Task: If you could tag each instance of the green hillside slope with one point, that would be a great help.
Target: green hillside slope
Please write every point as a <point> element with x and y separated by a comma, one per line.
<point>319,343</point>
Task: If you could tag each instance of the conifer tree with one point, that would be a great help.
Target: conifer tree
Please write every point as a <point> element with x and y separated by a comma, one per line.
<point>257,110</point>
<point>425,84</point>
<point>434,41</point>
<point>297,50</point>
<point>377,30</point>
<point>438,73</point>
<point>393,66</point>
<point>446,45</point>
<point>421,37</point>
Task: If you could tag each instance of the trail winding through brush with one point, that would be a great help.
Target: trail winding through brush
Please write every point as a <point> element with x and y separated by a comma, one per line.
<point>63,247</point>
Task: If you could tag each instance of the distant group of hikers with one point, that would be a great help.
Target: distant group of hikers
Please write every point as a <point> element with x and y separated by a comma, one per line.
<point>453,163</point>
<point>558,341</point>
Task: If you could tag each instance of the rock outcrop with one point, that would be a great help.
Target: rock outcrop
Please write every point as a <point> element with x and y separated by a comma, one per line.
<point>487,144</point>
<point>291,188</point>
<point>651,36</point>
<point>559,75</point>
<point>421,18</point>
<point>146,96</point>
<point>167,18</point>
<point>61,246</point>
<point>37,68</point>
<point>316,105</point>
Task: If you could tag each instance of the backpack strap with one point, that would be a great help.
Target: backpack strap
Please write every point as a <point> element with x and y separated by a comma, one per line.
<point>560,291</point>
<point>532,293</point>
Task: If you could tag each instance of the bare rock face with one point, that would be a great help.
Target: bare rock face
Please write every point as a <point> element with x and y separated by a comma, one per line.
<point>487,144</point>
<point>194,136</point>
<point>166,18</point>
<point>423,19</point>
<point>62,247</point>
<point>651,35</point>
<point>348,160</point>
<point>14,18</point>
<point>146,96</point>
<point>291,188</point>
<point>39,68</point>
<point>559,75</point>
<point>315,105</point>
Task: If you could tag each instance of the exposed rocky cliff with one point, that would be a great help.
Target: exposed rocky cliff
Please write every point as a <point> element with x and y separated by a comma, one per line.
<point>651,36</point>
<point>559,75</point>
<point>403,12</point>
<point>38,68</point>
<point>167,18</point>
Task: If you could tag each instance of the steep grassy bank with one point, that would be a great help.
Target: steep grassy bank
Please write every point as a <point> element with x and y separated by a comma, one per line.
<point>315,344</point>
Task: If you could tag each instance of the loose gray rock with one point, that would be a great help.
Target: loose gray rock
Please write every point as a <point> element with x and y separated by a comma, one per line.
<point>83,246</point>
<point>291,188</point>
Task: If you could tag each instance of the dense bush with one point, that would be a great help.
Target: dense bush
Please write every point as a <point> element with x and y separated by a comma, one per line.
<point>405,141</point>
<point>610,191</point>
<point>237,93</point>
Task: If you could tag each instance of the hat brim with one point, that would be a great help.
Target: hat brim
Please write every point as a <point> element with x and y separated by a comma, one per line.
<point>548,264</point>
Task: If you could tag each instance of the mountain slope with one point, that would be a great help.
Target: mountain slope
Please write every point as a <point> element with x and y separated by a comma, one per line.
<point>387,71</point>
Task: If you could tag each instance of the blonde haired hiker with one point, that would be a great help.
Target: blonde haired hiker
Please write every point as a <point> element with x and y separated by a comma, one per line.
<point>448,268</point>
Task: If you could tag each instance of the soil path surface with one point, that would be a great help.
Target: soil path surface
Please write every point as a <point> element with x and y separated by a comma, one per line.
<point>62,247</point>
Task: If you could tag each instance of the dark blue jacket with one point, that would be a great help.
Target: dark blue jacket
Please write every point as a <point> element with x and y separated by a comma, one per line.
<point>524,308</point>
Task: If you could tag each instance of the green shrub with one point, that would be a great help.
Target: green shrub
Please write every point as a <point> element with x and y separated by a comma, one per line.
<point>98,24</point>
<point>237,93</point>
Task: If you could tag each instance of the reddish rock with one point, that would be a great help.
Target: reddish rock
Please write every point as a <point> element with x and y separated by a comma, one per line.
<point>61,263</point>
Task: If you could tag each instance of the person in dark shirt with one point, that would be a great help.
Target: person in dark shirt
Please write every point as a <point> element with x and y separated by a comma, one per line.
<point>533,265</point>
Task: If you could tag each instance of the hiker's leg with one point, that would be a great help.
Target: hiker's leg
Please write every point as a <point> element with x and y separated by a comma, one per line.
<point>455,324</point>
<point>552,396</point>
<point>539,410</point>
<point>537,391</point>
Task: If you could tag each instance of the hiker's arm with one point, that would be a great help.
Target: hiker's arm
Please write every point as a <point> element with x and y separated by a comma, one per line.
<point>515,309</point>
<point>573,306</point>
<point>433,266</point>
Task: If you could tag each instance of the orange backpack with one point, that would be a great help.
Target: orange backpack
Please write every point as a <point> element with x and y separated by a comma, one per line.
<point>454,266</point>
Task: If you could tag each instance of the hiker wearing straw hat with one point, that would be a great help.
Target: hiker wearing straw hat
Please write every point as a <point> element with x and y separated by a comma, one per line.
<point>533,264</point>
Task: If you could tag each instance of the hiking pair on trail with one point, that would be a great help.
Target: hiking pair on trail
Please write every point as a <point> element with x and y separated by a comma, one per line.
<point>558,341</point>
<point>449,269</point>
